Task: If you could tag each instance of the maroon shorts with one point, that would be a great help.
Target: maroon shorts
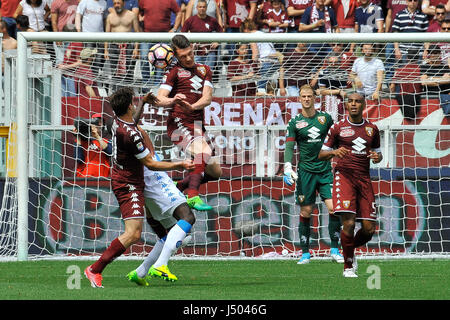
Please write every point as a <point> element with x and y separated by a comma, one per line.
<point>131,200</point>
<point>182,133</point>
<point>355,195</point>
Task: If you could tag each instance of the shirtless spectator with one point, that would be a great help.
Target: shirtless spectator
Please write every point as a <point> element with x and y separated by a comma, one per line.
<point>121,55</point>
<point>8,42</point>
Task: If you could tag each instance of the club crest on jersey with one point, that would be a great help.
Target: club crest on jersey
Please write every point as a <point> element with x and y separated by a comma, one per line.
<point>184,73</point>
<point>346,204</point>
<point>301,198</point>
<point>321,119</point>
<point>347,133</point>
<point>301,124</point>
<point>369,131</point>
<point>202,70</point>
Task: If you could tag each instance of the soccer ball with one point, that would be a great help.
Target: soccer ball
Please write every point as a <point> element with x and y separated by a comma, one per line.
<point>160,55</point>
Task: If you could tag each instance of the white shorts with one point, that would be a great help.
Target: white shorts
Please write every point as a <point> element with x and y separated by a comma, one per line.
<point>162,197</point>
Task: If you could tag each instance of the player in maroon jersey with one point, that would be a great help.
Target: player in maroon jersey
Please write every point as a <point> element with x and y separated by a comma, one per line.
<point>186,90</point>
<point>354,141</point>
<point>130,155</point>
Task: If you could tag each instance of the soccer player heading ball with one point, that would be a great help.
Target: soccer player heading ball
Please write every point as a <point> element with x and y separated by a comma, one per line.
<point>354,141</point>
<point>309,129</point>
<point>186,90</point>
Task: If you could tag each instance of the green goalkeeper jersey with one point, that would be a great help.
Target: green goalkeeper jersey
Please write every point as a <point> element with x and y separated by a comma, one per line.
<point>309,133</point>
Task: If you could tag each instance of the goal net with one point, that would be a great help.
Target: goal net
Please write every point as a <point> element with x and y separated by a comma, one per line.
<point>50,207</point>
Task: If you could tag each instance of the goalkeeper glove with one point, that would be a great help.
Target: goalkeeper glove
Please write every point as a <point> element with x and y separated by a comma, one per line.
<point>289,175</point>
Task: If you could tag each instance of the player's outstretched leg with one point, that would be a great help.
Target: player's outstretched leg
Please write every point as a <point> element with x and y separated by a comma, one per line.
<point>304,233</point>
<point>334,229</point>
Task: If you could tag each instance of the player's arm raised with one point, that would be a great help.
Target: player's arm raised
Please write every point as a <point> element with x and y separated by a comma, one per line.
<point>149,98</point>
<point>201,103</point>
<point>165,165</point>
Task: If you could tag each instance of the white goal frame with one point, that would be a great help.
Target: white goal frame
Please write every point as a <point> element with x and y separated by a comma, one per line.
<point>22,105</point>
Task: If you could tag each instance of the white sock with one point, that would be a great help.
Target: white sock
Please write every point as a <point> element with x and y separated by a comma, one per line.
<point>173,241</point>
<point>142,270</point>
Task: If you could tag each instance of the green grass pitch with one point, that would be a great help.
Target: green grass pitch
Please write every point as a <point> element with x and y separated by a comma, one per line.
<point>401,279</point>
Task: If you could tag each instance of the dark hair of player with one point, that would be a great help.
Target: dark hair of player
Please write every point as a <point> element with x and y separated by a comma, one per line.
<point>121,100</point>
<point>179,42</point>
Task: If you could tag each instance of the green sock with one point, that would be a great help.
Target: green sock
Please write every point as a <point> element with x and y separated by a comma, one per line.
<point>334,229</point>
<point>304,233</point>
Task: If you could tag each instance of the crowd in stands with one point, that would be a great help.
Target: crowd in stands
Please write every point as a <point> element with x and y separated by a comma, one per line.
<point>256,68</point>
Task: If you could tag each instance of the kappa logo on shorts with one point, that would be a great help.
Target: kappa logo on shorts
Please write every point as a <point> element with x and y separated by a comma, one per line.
<point>136,213</point>
<point>131,187</point>
<point>346,204</point>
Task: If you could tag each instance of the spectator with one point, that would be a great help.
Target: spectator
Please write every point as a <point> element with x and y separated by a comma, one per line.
<point>204,53</point>
<point>407,88</point>
<point>295,10</point>
<point>333,80</point>
<point>319,18</point>
<point>92,152</point>
<point>393,8</point>
<point>183,4</point>
<point>7,10</point>
<point>277,20</point>
<point>63,14</point>
<point>68,66</point>
<point>90,17</point>
<point>37,12</point>
<point>410,19</point>
<point>345,14</point>
<point>236,11</point>
<point>212,10</point>
<point>84,76</point>
<point>132,5</point>
<point>445,47</point>
<point>262,10</point>
<point>121,55</point>
<point>439,17</point>
<point>23,25</point>
<point>241,72</point>
<point>369,18</point>
<point>299,65</point>
<point>435,78</point>
<point>8,42</point>
<point>263,53</point>
<point>156,19</point>
<point>367,74</point>
<point>429,6</point>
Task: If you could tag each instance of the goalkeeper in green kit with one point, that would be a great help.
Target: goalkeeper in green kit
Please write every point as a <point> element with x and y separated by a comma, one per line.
<point>309,129</point>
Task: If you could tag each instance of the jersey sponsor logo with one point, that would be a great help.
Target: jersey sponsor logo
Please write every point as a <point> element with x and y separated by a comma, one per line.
<point>347,133</point>
<point>346,204</point>
<point>196,82</point>
<point>301,124</point>
<point>321,119</point>
<point>359,144</point>
<point>369,131</point>
<point>314,133</point>
<point>184,73</point>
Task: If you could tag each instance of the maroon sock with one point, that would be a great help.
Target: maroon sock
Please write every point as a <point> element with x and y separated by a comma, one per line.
<point>183,184</point>
<point>194,184</point>
<point>348,249</point>
<point>361,238</point>
<point>114,250</point>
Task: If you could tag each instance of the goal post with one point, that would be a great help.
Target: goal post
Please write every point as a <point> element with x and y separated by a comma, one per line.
<point>263,217</point>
